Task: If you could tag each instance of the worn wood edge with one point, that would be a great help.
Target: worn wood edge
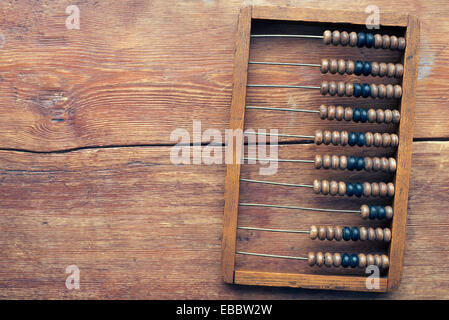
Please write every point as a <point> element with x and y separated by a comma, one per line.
<point>325,16</point>
<point>404,153</point>
<point>307,281</point>
<point>237,113</point>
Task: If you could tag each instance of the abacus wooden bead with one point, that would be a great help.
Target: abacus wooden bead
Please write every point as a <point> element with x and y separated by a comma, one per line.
<point>318,137</point>
<point>371,234</point>
<point>382,91</point>
<point>397,91</point>
<point>377,41</point>
<point>385,41</point>
<point>374,89</point>
<point>328,259</point>
<point>396,116</point>
<point>319,259</point>
<point>379,234</point>
<point>394,42</point>
<point>350,66</point>
<point>331,112</point>
<point>341,66</point>
<point>372,116</point>
<point>335,138</point>
<point>384,164</point>
<point>313,232</point>
<point>327,37</point>
<point>364,211</point>
<point>324,65</point>
<point>333,188</point>
<point>324,87</point>
<point>341,89</point>
<point>388,212</point>
<point>339,113</point>
<point>394,140</point>
<point>341,188</point>
<point>330,233</point>
<point>369,260</point>
<point>311,258</point>
<point>377,140</point>
<point>336,37</point>
<point>333,66</point>
<point>390,189</point>
<point>344,137</point>
<point>388,116</point>
<point>401,43</point>
<point>323,112</point>
<point>326,161</point>
<point>369,139</point>
<point>338,233</point>
<point>349,89</point>
<point>382,69</point>
<point>318,161</point>
<point>368,163</point>
<point>366,189</point>
<point>362,260</point>
<point>376,164</point>
<point>353,39</point>
<point>386,140</point>
<point>363,233</point>
<point>391,164</point>
<point>375,189</point>
<point>343,162</point>
<point>374,68</point>
<point>380,115</point>
<point>399,69</point>
<point>336,259</point>
<point>324,187</point>
<point>378,260</point>
<point>322,233</point>
<point>391,69</point>
<point>317,186</point>
<point>348,113</point>
<point>385,262</point>
<point>383,189</point>
<point>335,162</point>
<point>344,38</point>
<point>327,137</point>
<point>390,91</point>
<point>333,88</point>
<point>387,235</point>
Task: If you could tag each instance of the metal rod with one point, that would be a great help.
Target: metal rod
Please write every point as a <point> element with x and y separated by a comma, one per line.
<point>296,208</point>
<point>286,64</point>
<point>281,86</point>
<point>281,135</point>
<point>282,109</point>
<point>274,230</point>
<point>278,183</point>
<point>286,36</point>
<point>280,160</point>
<point>270,255</point>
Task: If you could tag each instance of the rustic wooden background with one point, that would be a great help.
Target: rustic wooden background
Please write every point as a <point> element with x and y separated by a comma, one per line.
<point>85,173</point>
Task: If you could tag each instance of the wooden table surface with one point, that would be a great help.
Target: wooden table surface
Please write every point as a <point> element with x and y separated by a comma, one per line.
<point>85,171</point>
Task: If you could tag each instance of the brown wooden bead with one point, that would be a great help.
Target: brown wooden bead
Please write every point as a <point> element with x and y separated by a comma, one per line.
<point>341,89</point>
<point>319,259</point>
<point>390,189</point>
<point>388,116</point>
<point>335,138</point>
<point>317,186</point>
<point>374,68</point>
<point>394,42</point>
<point>348,113</point>
<point>336,37</point>
<point>335,162</point>
<point>369,139</point>
<point>324,66</point>
<point>318,161</point>
<point>372,116</point>
<point>378,260</point>
<point>350,66</point>
<point>375,189</point>
<point>385,262</point>
<point>324,87</point>
<point>368,163</point>
<point>382,91</point>
<point>353,39</point>
<point>401,43</point>
<point>341,68</point>
<point>399,71</point>
<point>379,234</point>
<point>387,235</point>
<point>333,88</point>
<point>328,259</point>
<point>330,233</point>
<point>363,233</point>
<point>376,164</point>
<point>389,212</point>
<point>362,260</point>
<point>343,163</point>
<point>383,189</point>
<point>397,91</point>
<point>396,116</point>
<point>377,41</point>
<point>338,233</point>
<point>371,234</point>
<point>336,259</point>
<point>385,41</point>
<point>391,70</point>
<point>384,164</point>
<point>326,161</point>
<point>369,260</point>
<point>323,112</point>
<point>318,137</point>
<point>330,112</point>
<point>377,139</point>
<point>313,232</point>
<point>391,164</point>
<point>349,89</point>
<point>341,188</point>
<point>327,137</point>
<point>394,140</point>
<point>311,258</point>
<point>366,189</point>
<point>324,187</point>
<point>380,116</point>
<point>333,188</point>
<point>382,69</point>
<point>374,90</point>
<point>344,136</point>
<point>327,37</point>
<point>339,113</point>
<point>344,38</point>
<point>390,91</point>
<point>364,211</point>
<point>322,233</point>
<point>333,66</point>
<point>386,140</point>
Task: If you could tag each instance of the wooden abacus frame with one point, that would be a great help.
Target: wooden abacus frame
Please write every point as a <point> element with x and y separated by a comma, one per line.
<point>403,153</point>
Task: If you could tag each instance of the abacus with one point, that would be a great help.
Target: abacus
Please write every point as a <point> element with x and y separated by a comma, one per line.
<point>372,102</point>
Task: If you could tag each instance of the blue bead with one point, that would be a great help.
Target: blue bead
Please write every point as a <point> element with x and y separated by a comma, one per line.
<point>357,90</point>
<point>360,139</point>
<point>358,189</point>
<point>345,261</point>
<point>349,189</point>
<point>366,90</point>
<point>372,212</point>
<point>353,260</point>
<point>363,115</point>
<point>352,138</point>
<point>351,163</point>
<point>366,68</point>
<point>360,163</point>
<point>358,68</point>
<point>346,234</point>
<point>369,40</point>
<point>355,234</point>
<point>356,115</point>
<point>361,39</point>
<point>381,213</point>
